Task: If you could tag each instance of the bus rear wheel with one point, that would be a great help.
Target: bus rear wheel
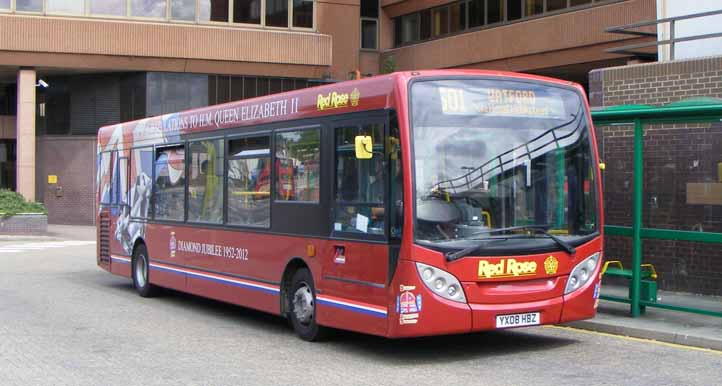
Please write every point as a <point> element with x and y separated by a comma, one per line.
<point>139,271</point>
<point>302,307</point>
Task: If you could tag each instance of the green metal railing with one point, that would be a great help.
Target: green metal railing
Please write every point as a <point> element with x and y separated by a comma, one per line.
<point>691,111</point>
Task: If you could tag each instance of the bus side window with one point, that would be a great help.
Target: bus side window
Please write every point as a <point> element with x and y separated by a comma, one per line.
<point>205,183</point>
<point>298,155</point>
<point>169,187</point>
<point>249,181</point>
<point>359,182</point>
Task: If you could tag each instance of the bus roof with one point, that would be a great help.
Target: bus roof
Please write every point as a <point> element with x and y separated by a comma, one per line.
<point>371,93</point>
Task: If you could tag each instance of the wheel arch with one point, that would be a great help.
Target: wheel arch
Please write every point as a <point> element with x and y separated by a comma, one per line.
<point>138,242</point>
<point>293,265</point>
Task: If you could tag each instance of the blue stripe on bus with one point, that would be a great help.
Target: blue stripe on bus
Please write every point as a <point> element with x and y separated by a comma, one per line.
<point>348,307</point>
<point>235,283</point>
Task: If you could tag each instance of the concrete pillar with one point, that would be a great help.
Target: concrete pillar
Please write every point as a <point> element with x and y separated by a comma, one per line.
<point>25,125</point>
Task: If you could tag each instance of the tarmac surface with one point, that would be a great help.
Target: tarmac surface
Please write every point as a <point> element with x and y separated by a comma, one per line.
<point>64,321</point>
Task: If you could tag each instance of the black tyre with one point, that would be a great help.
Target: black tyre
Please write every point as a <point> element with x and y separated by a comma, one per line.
<point>140,269</point>
<point>302,307</point>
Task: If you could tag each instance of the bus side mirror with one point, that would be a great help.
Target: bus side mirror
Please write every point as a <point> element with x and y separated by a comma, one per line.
<point>364,147</point>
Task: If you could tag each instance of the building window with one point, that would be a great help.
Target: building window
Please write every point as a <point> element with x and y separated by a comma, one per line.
<point>213,10</point>
<point>183,10</point>
<point>277,13</point>
<point>4,4</point>
<point>556,5</point>
<point>495,11</point>
<point>297,165</point>
<point>249,182</point>
<point>169,194</point>
<point>533,7</point>
<point>205,181</point>
<point>247,11</point>
<point>477,13</point>
<point>65,6</point>
<point>369,34</point>
<point>29,5</point>
<point>148,8</point>
<point>462,15</point>
<point>457,17</point>
<point>108,7</point>
<point>369,24</point>
<point>303,13</point>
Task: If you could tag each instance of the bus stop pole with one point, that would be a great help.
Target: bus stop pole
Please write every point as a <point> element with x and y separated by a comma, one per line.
<point>637,217</point>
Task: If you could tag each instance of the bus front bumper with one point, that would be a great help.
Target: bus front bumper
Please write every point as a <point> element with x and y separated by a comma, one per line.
<point>418,311</point>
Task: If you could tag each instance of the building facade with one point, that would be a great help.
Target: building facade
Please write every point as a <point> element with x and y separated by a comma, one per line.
<point>68,67</point>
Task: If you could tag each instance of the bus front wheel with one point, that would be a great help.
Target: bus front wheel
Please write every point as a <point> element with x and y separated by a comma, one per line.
<point>139,271</point>
<point>302,306</point>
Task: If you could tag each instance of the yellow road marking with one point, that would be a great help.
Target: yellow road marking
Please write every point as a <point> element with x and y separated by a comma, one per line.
<point>641,340</point>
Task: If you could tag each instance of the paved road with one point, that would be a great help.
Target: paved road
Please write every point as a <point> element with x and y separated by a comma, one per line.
<point>63,321</point>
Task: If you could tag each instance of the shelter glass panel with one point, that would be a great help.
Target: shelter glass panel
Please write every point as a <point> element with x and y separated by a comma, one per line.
<point>615,149</point>
<point>683,177</point>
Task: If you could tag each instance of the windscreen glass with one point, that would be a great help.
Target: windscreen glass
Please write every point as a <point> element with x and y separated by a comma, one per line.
<point>492,154</point>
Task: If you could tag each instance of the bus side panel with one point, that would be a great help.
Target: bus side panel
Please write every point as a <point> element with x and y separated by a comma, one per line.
<point>416,311</point>
<point>352,292</point>
<point>165,270</point>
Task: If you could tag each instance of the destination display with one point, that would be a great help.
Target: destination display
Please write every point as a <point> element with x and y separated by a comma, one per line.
<point>501,102</point>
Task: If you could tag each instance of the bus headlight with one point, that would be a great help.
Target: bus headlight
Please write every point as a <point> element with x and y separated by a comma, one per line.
<point>441,282</point>
<point>582,273</point>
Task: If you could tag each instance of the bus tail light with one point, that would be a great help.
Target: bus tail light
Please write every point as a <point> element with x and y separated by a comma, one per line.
<point>441,283</point>
<point>582,273</point>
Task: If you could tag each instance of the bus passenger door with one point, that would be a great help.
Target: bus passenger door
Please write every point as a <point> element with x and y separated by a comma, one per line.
<point>355,273</point>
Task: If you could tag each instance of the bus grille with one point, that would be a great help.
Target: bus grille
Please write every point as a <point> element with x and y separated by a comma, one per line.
<point>104,242</point>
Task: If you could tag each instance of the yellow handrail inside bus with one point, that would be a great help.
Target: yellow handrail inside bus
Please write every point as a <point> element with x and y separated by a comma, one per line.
<point>487,216</point>
<point>251,193</point>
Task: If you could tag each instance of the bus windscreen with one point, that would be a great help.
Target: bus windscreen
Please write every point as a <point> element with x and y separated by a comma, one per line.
<point>492,154</point>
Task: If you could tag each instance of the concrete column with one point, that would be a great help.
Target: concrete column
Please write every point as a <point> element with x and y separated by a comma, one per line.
<point>25,124</point>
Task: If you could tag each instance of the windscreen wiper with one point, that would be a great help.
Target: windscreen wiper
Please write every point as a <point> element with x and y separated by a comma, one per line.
<point>540,228</point>
<point>451,256</point>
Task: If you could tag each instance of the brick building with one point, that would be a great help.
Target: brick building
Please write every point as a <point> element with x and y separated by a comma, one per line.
<point>677,159</point>
<point>107,61</point>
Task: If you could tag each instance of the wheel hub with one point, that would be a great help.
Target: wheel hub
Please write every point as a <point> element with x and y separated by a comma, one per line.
<point>140,273</point>
<point>303,304</point>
